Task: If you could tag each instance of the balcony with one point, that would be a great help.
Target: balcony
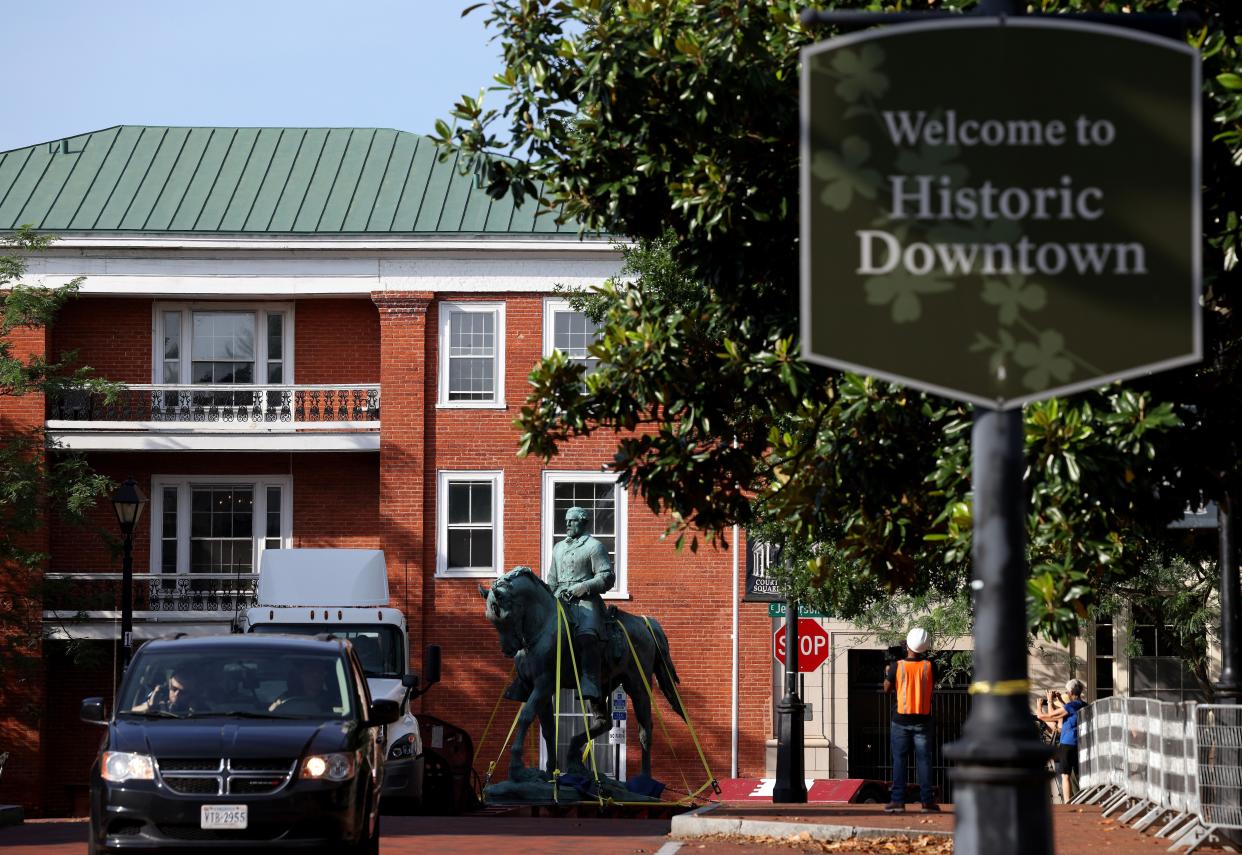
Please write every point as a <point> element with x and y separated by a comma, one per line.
<point>88,605</point>
<point>172,417</point>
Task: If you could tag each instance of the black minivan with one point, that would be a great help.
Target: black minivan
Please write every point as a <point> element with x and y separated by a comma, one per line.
<point>240,741</point>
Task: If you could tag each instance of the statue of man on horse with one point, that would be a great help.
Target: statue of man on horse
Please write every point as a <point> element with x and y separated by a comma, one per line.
<point>612,649</point>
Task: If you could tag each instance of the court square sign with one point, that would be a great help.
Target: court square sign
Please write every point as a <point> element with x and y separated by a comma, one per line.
<point>1001,210</point>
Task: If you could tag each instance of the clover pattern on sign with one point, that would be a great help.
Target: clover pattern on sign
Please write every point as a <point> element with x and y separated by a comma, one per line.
<point>902,293</point>
<point>844,174</point>
<point>1041,354</point>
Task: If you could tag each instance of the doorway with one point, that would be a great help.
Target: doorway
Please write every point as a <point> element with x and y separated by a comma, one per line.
<point>870,711</point>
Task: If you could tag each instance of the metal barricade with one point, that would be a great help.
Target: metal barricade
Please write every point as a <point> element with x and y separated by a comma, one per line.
<point>1218,732</point>
<point>1180,763</point>
<point>1088,772</point>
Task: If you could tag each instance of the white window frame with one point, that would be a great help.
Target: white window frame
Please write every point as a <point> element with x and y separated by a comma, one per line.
<point>187,309</point>
<point>551,307</point>
<point>620,589</point>
<point>497,479</point>
<point>446,311</point>
<point>183,484</point>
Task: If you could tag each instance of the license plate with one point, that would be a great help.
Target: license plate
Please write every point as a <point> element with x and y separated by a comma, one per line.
<point>224,816</point>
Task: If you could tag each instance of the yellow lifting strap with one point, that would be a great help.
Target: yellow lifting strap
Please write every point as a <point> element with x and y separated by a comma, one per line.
<point>589,747</point>
<point>642,672</point>
<point>492,718</point>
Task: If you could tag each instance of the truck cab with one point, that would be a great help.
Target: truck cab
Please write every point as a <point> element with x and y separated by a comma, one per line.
<point>345,592</point>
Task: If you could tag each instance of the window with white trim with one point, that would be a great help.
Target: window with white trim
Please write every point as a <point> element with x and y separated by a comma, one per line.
<point>223,344</point>
<point>218,523</point>
<point>472,354</point>
<point>604,500</point>
<point>469,534</point>
<point>570,332</point>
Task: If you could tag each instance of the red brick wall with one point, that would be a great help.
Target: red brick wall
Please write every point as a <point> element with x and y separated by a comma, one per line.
<point>112,335</point>
<point>336,341</point>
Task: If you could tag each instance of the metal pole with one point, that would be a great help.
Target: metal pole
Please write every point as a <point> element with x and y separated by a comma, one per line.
<point>735,695</point>
<point>1229,686</point>
<point>1002,802</point>
<point>790,785</point>
<point>127,598</point>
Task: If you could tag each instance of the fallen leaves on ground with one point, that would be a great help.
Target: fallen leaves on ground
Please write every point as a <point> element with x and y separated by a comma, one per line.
<point>926,844</point>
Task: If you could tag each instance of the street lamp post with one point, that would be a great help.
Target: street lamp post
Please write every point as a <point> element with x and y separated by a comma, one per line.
<point>129,502</point>
<point>790,787</point>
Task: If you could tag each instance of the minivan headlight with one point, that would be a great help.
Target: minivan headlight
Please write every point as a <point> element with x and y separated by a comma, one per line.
<point>333,767</point>
<point>119,766</point>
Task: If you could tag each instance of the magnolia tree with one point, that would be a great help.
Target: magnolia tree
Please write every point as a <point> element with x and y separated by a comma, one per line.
<point>675,125</point>
<point>35,478</point>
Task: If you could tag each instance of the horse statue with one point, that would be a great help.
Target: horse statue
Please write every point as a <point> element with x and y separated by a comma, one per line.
<point>524,611</point>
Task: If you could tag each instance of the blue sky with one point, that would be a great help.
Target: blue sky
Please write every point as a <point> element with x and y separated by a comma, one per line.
<point>79,65</point>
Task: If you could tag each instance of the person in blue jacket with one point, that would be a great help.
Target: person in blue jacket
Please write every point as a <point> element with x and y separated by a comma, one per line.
<point>1067,716</point>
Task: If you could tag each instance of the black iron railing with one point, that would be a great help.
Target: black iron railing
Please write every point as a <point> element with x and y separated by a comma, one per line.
<point>72,593</point>
<point>166,406</point>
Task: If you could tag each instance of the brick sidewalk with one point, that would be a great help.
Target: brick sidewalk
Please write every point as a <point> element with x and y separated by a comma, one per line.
<point>1076,829</point>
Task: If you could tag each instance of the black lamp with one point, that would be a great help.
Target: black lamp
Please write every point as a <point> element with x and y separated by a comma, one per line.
<point>129,502</point>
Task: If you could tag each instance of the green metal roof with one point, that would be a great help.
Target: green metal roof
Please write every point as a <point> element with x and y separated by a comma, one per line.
<point>251,180</point>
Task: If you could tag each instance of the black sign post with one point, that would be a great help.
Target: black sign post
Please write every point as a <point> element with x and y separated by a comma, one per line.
<point>790,787</point>
<point>928,260</point>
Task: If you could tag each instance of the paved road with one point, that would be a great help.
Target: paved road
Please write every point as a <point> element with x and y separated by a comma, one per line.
<point>448,835</point>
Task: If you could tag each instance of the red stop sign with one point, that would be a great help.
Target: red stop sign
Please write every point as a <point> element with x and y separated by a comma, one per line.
<point>812,645</point>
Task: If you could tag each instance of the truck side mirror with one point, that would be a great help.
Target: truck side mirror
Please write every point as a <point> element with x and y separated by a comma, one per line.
<point>410,682</point>
<point>92,711</point>
<point>431,665</point>
<point>383,711</point>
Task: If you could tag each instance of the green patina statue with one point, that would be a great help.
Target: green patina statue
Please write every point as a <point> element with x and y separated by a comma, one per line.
<point>610,648</point>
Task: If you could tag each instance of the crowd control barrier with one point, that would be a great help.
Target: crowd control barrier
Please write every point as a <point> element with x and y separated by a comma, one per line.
<point>1179,764</point>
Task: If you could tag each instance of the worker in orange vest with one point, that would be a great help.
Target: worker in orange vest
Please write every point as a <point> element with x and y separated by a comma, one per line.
<point>911,680</point>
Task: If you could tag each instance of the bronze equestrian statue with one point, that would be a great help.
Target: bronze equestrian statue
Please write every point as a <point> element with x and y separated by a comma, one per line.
<point>523,608</point>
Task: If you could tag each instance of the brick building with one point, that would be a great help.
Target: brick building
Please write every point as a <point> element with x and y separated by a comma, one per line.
<point>324,336</point>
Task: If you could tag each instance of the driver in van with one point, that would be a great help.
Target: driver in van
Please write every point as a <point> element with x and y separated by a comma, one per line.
<point>176,694</point>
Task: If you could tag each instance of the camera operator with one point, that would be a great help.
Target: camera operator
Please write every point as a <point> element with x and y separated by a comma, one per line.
<point>1066,718</point>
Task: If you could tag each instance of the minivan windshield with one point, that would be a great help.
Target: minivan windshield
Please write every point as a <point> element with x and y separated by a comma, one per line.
<point>258,682</point>
<point>380,649</point>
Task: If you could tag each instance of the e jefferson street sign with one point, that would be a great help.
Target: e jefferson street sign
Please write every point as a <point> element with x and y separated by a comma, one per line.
<point>1000,213</point>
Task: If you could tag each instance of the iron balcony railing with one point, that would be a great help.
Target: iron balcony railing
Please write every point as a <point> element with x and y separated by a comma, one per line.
<point>179,407</point>
<point>69,594</point>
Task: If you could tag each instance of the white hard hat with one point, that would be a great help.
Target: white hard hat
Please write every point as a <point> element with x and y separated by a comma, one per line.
<point>917,640</point>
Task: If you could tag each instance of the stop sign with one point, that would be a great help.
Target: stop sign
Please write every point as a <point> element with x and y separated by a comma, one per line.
<point>812,645</point>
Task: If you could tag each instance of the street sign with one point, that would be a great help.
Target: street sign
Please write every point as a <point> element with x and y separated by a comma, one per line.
<point>1007,235</point>
<point>812,645</point>
<point>778,610</point>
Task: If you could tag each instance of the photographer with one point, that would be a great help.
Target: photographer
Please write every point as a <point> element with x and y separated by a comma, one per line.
<point>1067,719</point>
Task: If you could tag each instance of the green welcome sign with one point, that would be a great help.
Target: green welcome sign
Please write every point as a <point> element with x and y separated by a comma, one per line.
<point>1000,211</point>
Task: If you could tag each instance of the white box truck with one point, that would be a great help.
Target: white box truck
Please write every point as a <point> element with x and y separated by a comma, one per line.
<point>345,592</point>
